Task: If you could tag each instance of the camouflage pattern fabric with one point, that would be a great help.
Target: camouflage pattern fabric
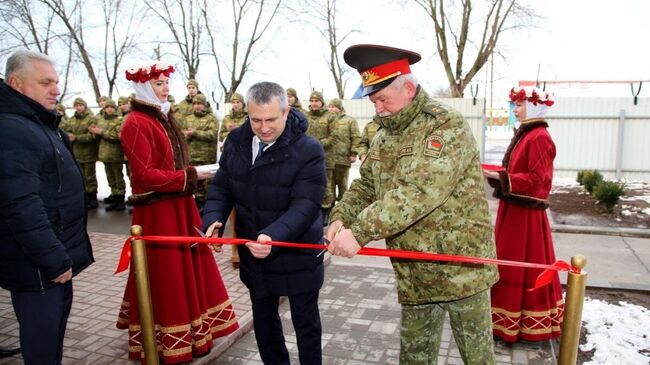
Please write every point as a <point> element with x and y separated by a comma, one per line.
<point>421,189</point>
<point>90,178</point>
<point>421,330</point>
<point>368,134</point>
<point>86,145</point>
<point>321,125</point>
<point>203,141</point>
<point>346,139</point>
<point>233,120</point>
<point>110,148</point>
<point>340,185</point>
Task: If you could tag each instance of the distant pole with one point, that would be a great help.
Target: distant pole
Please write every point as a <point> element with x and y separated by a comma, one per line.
<point>537,78</point>
<point>575,297</point>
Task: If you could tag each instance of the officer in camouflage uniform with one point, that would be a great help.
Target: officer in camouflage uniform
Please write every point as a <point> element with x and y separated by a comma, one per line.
<point>85,147</point>
<point>101,102</point>
<point>368,134</point>
<point>321,127</point>
<point>421,190</point>
<point>200,130</point>
<point>346,137</point>
<point>235,118</point>
<point>294,102</point>
<point>111,154</point>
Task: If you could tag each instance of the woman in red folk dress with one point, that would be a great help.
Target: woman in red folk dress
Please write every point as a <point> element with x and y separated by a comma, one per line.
<point>522,230</point>
<point>191,307</point>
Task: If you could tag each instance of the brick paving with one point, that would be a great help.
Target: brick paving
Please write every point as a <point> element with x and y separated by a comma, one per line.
<point>358,303</point>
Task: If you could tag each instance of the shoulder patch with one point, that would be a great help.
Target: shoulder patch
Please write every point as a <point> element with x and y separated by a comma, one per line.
<point>434,109</point>
<point>405,151</point>
<point>434,146</point>
<point>374,155</point>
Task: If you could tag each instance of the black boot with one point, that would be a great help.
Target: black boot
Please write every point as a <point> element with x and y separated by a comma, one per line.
<point>117,205</point>
<point>91,201</point>
<point>8,351</point>
<point>109,199</point>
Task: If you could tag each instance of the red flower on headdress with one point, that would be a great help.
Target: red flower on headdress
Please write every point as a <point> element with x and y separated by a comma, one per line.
<point>148,72</point>
<point>535,96</point>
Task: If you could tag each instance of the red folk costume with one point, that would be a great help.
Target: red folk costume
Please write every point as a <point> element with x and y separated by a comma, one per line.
<point>523,232</point>
<point>191,307</point>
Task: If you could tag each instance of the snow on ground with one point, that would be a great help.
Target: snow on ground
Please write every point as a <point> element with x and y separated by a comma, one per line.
<point>616,332</point>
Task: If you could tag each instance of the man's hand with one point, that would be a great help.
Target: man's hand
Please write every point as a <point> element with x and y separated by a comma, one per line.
<point>352,158</point>
<point>334,227</point>
<point>188,132</point>
<point>72,137</point>
<point>260,249</point>
<point>63,278</point>
<point>95,129</point>
<point>211,232</point>
<point>231,126</point>
<point>204,175</point>
<point>491,174</point>
<point>344,244</point>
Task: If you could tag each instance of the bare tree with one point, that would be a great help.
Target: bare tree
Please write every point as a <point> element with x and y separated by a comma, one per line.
<point>73,22</point>
<point>184,20</point>
<point>323,16</point>
<point>253,15</point>
<point>453,35</point>
<point>119,36</point>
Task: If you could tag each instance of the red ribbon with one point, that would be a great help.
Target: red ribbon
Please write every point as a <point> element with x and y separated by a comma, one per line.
<point>543,279</point>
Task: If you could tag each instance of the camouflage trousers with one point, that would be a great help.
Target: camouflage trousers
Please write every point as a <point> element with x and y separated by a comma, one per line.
<point>90,179</point>
<point>471,324</point>
<point>328,200</point>
<point>341,173</point>
<point>115,177</point>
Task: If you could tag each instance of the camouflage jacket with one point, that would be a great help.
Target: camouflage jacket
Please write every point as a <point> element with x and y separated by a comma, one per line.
<point>203,141</point>
<point>321,125</point>
<point>184,109</point>
<point>110,148</point>
<point>421,189</point>
<point>368,134</point>
<point>86,145</point>
<point>346,139</point>
<point>231,121</point>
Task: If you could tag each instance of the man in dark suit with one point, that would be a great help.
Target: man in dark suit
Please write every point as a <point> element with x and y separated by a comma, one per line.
<point>273,175</point>
<point>43,239</point>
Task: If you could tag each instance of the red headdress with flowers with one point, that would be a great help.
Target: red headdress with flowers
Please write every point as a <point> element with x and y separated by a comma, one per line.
<point>534,95</point>
<point>144,73</point>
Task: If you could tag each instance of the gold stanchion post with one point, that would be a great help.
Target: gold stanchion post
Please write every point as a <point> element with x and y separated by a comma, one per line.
<point>139,262</point>
<point>575,297</point>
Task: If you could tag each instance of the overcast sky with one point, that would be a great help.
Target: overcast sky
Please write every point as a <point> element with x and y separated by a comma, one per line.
<point>575,40</point>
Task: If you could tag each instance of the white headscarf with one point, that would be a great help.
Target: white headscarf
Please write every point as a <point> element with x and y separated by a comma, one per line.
<point>535,111</point>
<point>144,91</point>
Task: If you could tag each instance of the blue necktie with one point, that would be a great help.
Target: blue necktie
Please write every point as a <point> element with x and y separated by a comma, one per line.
<point>260,150</point>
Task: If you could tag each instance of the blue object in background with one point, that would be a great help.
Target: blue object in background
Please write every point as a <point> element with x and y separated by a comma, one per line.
<point>358,93</point>
<point>511,115</point>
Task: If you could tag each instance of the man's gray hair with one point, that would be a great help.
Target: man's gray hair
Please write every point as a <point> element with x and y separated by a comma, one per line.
<point>265,92</point>
<point>403,79</point>
<point>20,60</point>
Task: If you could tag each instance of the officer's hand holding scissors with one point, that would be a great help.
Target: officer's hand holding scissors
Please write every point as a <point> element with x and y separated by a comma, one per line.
<point>260,249</point>
<point>211,232</point>
<point>342,241</point>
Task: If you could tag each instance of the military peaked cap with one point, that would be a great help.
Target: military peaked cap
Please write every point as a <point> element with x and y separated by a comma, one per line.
<point>379,65</point>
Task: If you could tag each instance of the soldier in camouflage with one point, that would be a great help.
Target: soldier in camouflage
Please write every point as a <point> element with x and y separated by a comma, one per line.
<point>421,190</point>
<point>85,147</point>
<point>111,154</point>
<point>368,134</point>
<point>235,118</point>
<point>186,107</point>
<point>200,130</point>
<point>124,106</point>
<point>321,127</point>
<point>346,137</point>
<point>294,102</point>
<point>60,108</point>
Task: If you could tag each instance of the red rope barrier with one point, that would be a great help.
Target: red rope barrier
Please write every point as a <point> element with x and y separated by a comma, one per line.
<point>543,279</point>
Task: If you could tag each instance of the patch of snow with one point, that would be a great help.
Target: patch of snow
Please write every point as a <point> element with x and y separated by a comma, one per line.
<point>626,213</point>
<point>616,332</point>
<point>565,182</point>
<point>646,211</point>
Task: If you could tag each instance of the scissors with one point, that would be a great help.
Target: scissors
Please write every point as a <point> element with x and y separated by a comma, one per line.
<point>327,242</point>
<point>200,232</point>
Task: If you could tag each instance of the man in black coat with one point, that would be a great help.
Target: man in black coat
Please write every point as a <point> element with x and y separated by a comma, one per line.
<point>43,239</point>
<point>273,174</point>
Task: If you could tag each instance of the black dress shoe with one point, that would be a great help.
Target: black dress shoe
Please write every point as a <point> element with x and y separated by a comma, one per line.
<point>8,351</point>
